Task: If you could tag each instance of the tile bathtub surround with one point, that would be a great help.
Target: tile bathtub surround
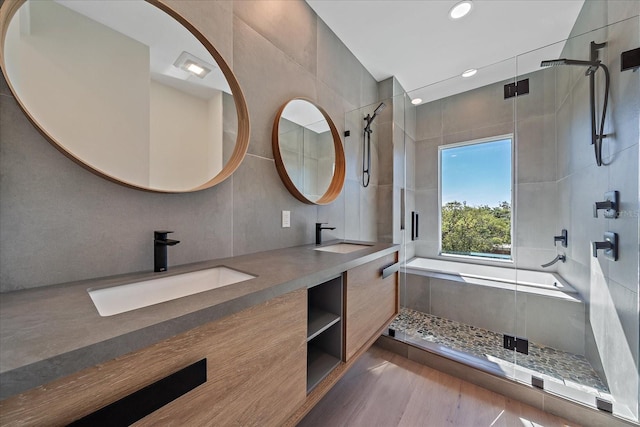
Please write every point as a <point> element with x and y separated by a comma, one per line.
<point>60,223</point>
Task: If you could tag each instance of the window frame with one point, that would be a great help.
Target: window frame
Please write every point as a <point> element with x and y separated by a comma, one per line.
<point>479,259</point>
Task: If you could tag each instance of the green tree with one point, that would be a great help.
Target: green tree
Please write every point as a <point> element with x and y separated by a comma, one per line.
<point>482,229</point>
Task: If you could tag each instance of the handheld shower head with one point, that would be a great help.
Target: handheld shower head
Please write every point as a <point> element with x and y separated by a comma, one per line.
<point>366,149</point>
<point>369,119</point>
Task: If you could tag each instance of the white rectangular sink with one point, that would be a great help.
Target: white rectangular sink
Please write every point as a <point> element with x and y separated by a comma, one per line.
<point>123,298</point>
<point>342,248</point>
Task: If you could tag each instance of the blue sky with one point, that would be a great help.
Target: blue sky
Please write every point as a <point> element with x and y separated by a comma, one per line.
<point>479,174</point>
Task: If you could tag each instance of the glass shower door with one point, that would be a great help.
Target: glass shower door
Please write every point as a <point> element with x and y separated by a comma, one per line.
<point>580,304</point>
<point>458,295</point>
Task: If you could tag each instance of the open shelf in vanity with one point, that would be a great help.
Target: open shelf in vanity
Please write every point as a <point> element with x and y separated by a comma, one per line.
<point>324,330</point>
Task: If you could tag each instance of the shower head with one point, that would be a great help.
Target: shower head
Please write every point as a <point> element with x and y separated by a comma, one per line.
<point>379,109</point>
<point>369,119</point>
<point>553,62</point>
<point>593,65</point>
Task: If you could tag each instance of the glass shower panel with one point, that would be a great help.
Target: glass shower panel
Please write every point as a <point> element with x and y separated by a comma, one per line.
<point>458,294</point>
<point>579,312</point>
<point>361,151</point>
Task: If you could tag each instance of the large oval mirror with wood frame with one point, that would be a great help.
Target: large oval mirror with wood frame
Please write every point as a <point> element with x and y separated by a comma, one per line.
<point>308,152</point>
<point>129,90</point>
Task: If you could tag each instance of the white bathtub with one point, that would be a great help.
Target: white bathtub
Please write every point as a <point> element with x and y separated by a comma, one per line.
<point>534,282</point>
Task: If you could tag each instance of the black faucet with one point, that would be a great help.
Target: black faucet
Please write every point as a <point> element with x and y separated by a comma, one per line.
<point>160,243</point>
<point>319,229</point>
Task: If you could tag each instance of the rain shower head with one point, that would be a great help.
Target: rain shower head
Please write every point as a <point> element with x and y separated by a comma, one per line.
<point>593,65</point>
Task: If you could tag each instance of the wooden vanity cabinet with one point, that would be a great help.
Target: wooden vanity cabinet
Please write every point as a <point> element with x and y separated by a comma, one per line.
<point>256,374</point>
<point>371,302</point>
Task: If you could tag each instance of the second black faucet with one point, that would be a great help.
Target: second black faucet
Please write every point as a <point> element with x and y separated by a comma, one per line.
<point>319,228</point>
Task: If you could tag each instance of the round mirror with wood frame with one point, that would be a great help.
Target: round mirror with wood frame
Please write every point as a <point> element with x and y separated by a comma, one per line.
<point>153,107</point>
<point>308,152</point>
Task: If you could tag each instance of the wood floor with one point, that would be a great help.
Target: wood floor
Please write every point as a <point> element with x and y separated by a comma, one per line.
<point>386,390</point>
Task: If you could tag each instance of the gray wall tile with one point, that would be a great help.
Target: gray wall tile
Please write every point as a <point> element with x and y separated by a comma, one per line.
<point>625,165</point>
<point>536,149</point>
<point>214,21</point>
<point>368,214</point>
<point>297,37</point>
<point>286,80</point>
<point>429,120</point>
<point>337,67</point>
<point>410,162</point>
<point>535,215</point>
<point>426,163</point>
<point>476,108</point>
<point>385,213</point>
<point>416,293</point>
<point>259,198</point>
<point>555,323</point>
<point>625,95</point>
<point>385,152</point>
<point>352,210</point>
<point>467,303</point>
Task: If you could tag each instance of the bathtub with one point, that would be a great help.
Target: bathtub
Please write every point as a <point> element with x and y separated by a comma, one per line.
<point>537,305</point>
<point>528,281</point>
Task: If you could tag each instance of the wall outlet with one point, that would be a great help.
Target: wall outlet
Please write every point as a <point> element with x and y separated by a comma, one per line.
<point>286,219</point>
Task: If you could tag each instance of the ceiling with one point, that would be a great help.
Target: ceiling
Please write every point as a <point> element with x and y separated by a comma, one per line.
<point>419,44</point>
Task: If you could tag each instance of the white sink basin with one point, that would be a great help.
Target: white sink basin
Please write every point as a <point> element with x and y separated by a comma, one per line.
<point>123,298</point>
<point>342,248</point>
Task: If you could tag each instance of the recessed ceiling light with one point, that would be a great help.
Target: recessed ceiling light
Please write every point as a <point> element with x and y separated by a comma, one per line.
<point>470,72</point>
<point>416,101</point>
<point>460,9</point>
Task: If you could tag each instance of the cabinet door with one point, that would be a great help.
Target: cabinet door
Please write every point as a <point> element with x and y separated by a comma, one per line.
<point>256,374</point>
<point>371,302</point>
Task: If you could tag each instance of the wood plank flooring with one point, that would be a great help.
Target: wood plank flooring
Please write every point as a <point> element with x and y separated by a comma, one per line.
<point>387,390</point>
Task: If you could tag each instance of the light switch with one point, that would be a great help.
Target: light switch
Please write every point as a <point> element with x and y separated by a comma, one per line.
<point>286,219</point>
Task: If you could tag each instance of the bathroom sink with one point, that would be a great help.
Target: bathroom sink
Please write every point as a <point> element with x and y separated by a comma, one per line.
<point>342,248</point>
<point>123,298</point>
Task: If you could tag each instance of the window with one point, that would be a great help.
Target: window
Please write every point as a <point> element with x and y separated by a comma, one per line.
<point>475,198</point>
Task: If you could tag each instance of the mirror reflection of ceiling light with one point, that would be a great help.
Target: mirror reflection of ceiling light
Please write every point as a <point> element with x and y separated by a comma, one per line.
<point>195,69</point>
<point>193,65</point>
<point>470,72</point>
<point>460,9</point>
<point>416,101</point>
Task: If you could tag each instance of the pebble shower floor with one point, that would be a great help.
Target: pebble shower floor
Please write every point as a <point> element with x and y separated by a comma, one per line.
<point>571,369</point>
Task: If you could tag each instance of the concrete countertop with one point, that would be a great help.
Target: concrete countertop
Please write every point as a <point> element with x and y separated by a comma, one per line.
<point>50,332</point>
